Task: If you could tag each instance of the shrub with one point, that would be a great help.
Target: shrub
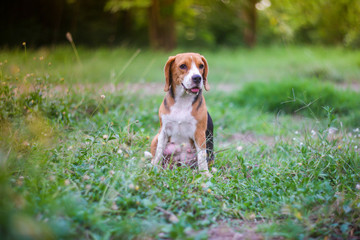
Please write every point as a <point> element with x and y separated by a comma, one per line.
<point>306,97</point>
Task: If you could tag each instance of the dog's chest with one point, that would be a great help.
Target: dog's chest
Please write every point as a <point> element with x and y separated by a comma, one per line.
<point>180,125</point>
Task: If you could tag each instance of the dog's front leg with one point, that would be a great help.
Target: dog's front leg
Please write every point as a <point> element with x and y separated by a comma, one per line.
<point>200,144</point>
<point>161,142</point>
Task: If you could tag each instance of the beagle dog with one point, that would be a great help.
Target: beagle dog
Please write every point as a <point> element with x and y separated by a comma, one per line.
<point>186,128</point>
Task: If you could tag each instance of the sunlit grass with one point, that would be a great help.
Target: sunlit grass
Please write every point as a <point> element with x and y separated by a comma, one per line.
<point>237,66</point>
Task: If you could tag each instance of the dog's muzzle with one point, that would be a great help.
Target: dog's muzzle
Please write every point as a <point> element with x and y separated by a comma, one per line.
<point>194,90</point>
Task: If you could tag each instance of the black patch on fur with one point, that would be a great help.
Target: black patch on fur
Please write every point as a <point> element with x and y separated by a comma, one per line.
<point>196,98</point>
<point>170,82</point>
<point>172,93</point>
<point>166,104</point>
<point>209,139</point>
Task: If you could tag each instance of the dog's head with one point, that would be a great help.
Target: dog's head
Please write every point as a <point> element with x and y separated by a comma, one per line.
<point>187,70</point>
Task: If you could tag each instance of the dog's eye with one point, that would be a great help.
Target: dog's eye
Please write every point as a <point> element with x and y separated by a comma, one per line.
<point>183,66</point>
<point>201,66</point>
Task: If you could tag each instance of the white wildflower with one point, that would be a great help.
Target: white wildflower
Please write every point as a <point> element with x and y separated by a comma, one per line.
<point>114,206</point>
<point>86,177</point>
<point>173,218</point>
<point>332,130</point>
<point>147,155</point>
<point>239,148</point>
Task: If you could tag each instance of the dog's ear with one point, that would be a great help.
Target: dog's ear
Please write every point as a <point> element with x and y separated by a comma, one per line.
<point>168,76</point>
<point>205,73</point>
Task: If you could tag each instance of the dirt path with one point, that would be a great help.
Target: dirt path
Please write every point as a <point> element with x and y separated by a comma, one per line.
<point>153,88</point>
<point>156,88</point>
<point>238,230</point>
<point>242,231</point>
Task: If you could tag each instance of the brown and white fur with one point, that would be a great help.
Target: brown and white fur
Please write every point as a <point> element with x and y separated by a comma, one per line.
<point>183,113</point>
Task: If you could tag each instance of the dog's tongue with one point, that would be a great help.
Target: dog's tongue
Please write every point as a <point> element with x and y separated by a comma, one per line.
<point>195,90</point>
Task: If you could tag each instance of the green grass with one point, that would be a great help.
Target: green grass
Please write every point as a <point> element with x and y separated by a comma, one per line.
<point>235,66</point>
<point>72,163</point>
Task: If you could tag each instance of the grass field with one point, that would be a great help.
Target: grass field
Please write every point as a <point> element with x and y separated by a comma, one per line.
<point>287,139</point>
<point>226,65</point>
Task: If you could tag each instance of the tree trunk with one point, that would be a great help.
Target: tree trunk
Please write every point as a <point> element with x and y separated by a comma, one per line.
<point>162,32</point>
<point>57,15</point>
<point>249,16</point>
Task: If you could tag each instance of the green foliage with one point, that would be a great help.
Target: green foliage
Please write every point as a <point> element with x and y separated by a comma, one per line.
<point>212,32</point>
<point>316,21</point>
<point>117,5</point>
<point>205,23</point>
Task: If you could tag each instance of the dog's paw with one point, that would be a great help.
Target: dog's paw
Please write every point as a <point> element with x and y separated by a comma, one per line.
<point>155,162</point>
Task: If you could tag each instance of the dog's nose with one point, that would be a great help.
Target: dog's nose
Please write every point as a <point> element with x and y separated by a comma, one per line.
<point>196,78</point>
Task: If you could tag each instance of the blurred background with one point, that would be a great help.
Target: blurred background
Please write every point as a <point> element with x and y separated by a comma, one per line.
<point>168,24</point>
